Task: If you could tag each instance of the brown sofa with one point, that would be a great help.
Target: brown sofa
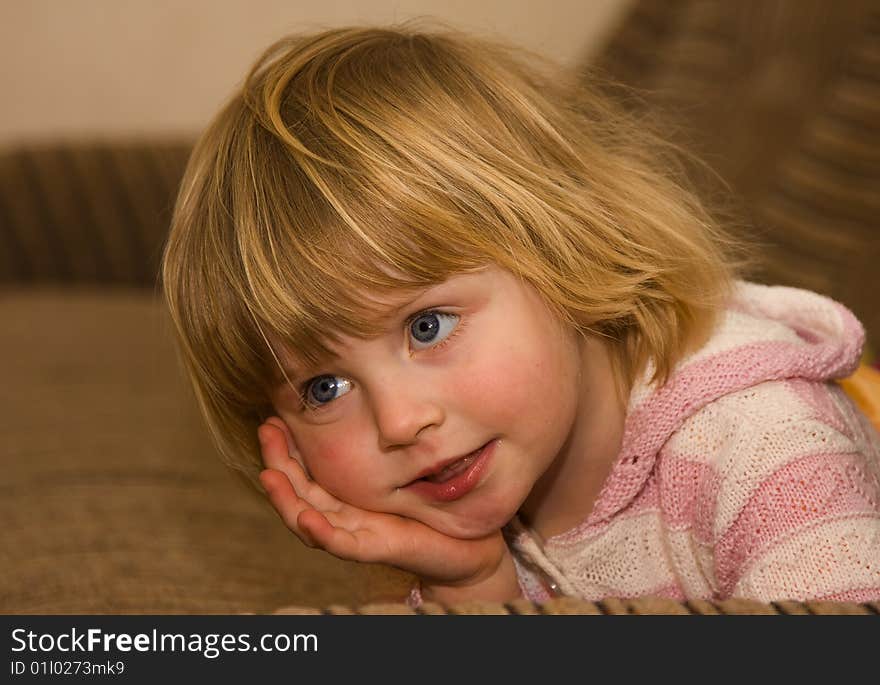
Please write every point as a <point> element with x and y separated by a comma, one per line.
<point>112,497</point>
<point>113,500</point>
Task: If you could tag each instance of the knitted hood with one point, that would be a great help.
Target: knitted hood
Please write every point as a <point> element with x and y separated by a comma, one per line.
<point>767,333</point>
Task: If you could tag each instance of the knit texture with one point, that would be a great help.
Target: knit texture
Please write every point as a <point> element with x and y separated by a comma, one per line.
<point>747,474</point>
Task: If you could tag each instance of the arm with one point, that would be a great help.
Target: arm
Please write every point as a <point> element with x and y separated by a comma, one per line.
<point>799,516</point>
<point>816,537</point>
<point>497,584</point>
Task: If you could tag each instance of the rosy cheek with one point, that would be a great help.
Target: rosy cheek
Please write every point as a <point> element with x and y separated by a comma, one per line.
<point>502,382</point>
<point>323,458</point>
<point>338,465</point>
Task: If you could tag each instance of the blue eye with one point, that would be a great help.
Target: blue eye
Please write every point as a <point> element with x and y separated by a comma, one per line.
<point>324,389</point>
<point>431,328</point>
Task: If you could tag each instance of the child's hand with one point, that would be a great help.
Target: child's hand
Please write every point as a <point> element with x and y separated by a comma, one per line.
<point>448,566</point>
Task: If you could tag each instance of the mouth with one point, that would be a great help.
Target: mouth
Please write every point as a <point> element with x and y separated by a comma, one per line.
<point>453,478</point>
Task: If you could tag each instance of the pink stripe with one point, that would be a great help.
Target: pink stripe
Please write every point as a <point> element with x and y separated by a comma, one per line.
<point>802,493</point>
<point>648,499</point>
<point>689,496</point>
<point>699,383</point>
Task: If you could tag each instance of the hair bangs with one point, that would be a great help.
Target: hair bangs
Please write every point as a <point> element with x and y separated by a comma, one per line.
<point>312,274</point>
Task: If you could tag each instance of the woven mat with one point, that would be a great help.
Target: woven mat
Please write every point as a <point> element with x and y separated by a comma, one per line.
<point>608,607</point>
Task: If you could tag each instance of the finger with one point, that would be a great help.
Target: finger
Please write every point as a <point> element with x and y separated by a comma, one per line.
<point>275,448</point>
<point>341,542</point>
<point>275,456</point>
<point>286,503</point>
<point>292,449</point>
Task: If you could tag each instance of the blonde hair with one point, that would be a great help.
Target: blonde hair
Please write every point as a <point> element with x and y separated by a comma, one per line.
<point>369,160</point>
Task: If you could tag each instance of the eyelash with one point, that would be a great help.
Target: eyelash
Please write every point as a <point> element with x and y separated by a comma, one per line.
<point>304,388</point>
<point>445,341</point>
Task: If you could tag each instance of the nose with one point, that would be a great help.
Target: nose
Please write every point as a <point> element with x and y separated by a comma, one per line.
<point>404,407</point>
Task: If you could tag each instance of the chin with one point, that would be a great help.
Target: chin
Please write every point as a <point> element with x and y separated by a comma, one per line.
<point>470,528</point>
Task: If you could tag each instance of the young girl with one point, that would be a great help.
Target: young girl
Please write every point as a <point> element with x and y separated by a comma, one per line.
<point>455,313</point>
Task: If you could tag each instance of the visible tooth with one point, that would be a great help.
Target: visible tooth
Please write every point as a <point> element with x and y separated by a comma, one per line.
<point>452,470</point>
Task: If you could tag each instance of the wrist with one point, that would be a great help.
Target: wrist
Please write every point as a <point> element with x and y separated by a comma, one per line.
<point>497,584</point>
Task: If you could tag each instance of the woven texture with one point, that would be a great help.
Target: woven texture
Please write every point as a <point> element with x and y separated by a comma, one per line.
<point>607,607</point>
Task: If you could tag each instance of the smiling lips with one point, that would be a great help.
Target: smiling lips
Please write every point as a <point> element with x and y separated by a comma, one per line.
<point>453,479</point>
<point>454,468</point>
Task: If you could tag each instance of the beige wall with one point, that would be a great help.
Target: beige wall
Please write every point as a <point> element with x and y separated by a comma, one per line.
<point>121,67</point>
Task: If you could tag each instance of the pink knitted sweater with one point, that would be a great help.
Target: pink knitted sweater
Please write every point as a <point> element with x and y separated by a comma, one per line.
<point>748,474</point>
